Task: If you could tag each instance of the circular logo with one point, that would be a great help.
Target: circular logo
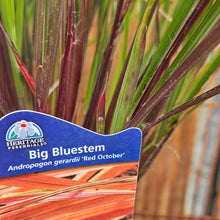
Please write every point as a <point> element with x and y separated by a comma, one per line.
<point>23,130</point>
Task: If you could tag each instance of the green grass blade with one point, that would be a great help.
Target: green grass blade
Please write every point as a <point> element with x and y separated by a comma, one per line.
<point>7,9</point>
<point>54,10</point>
<point>132,73</point>
<point>102,41</point>
<point>27,38</point>
<point>7,90</point>
<point>100,115</point>
<point>122,58</point>
<point>19,21</point>
<point>8,17</point>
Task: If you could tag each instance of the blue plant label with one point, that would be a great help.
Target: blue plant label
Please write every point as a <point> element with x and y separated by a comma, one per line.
<point>34,142</point>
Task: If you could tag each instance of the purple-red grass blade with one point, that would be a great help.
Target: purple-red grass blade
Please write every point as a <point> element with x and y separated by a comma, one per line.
<point>125,9</point>
<point>105,67</point>
<point>38,50</point>
<point>75,68</point>
<point>4,109</point>
<point>64,74</point>
<point>195,101</point>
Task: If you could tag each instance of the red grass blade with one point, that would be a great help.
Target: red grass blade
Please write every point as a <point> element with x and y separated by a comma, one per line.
<point>25,72</point>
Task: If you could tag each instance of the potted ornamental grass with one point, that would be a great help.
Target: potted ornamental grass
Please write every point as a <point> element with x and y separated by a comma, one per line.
<point>108,66</point>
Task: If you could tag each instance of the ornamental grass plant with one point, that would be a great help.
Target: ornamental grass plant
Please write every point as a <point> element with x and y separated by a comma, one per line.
<point>110,65</point>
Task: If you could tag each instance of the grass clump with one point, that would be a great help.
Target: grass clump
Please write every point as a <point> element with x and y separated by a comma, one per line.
<point>110,65</point>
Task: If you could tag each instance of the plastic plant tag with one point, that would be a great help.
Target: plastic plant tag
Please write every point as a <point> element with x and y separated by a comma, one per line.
<point>51,168</point>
